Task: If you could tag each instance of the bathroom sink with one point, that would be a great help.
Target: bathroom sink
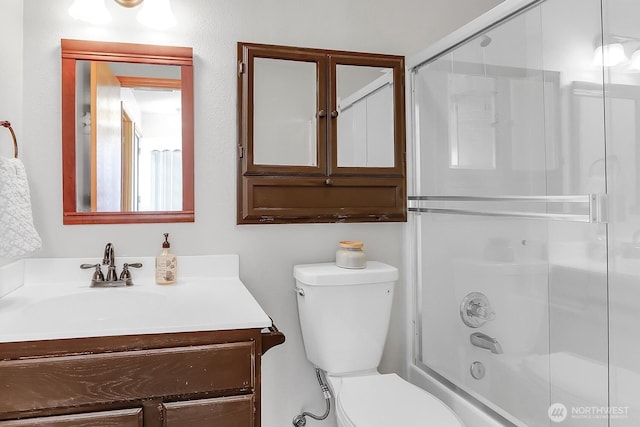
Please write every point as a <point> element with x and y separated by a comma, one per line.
<point>103,305</point>
<point>57,302</point>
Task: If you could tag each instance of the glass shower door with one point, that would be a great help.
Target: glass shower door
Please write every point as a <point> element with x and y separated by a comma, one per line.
<point>510,225</point>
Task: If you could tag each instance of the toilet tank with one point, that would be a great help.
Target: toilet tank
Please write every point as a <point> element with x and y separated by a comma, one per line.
<point>344,314</point>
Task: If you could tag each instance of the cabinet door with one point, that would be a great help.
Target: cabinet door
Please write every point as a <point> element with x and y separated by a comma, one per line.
<point>283,110</point>
<point>121,418</point>
<point>236,411</point>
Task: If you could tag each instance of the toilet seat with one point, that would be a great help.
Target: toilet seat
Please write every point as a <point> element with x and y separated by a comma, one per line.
<point>387,400</point>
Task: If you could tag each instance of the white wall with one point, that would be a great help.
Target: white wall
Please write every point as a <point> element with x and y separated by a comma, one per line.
<point>267,252</point>
<point>11,73</point>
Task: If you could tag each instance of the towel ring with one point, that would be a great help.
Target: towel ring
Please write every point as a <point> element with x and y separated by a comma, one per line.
<point>13,135</point>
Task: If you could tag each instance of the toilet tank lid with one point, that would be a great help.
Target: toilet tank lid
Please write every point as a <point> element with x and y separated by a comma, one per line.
<point>329,274</point>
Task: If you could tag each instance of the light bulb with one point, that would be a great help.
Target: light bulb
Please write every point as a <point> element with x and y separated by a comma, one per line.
<point>609,55</point>
<point>92,11</point>
<point>156,14</point>
<point>635,61</point>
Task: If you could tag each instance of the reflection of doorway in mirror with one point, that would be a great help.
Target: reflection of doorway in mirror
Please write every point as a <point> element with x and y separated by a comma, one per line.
<point>106,134</point>
<point>128,179</point>
<point>472,121</point>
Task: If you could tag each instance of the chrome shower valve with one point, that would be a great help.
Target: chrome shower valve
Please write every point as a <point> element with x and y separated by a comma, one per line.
<point>475,310</point>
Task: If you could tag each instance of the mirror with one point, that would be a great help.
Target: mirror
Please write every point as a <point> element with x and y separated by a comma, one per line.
<point>285,135</point>
<point>321,112</point>
<point>365,116</point>
<point>127,133</point>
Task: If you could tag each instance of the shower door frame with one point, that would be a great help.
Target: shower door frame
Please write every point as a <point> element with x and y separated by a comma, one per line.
<point>416,370</point>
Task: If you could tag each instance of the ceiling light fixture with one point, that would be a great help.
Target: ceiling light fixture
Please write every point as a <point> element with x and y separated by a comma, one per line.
<point>609,55</point>
<point>129,3</point>
<point>91,11</point>
<point>154,14</point>
<point>609,51</point>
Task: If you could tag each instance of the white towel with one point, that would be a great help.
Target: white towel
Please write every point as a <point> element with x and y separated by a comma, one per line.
<point>18,236</point>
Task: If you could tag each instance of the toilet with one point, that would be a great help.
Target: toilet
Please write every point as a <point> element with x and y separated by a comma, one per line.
<point>344,316</point>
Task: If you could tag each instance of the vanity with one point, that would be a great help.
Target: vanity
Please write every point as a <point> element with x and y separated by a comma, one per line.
<point>187,354</point>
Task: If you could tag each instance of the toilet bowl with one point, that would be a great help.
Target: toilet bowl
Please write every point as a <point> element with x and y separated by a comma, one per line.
<point>344,316</point>
<point>387,400</point>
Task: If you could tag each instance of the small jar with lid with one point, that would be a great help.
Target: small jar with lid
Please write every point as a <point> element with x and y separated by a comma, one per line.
<point>351,255</point>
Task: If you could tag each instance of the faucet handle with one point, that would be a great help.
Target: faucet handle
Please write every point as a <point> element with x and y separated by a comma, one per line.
<point>125,275</point>
<point>97,275</point>
<point>86,266</point>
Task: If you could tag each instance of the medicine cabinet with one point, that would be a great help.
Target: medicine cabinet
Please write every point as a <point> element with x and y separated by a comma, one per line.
<point>321,137</point>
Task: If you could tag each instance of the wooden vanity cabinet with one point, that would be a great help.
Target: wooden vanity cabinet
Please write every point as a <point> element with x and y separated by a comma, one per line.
<point>179,379</point>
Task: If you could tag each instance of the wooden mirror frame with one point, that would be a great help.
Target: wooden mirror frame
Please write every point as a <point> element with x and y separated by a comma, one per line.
<point>74,50</point>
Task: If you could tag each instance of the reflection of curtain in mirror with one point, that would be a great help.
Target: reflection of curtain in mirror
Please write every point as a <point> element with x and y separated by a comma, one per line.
<point>166,180</point>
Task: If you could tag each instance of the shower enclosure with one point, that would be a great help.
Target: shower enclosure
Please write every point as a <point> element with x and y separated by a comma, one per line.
<point>525,221</point>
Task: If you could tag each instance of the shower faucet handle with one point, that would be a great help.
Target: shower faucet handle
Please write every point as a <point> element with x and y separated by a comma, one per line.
<point>483,311</point>
<point>475,310</point>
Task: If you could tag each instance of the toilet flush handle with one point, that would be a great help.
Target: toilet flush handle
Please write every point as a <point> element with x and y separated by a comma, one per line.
<point>299,291</point>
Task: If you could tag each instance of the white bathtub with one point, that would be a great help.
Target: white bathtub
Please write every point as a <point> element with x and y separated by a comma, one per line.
<point>471,415</point>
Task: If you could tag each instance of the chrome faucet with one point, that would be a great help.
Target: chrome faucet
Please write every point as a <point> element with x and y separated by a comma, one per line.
<point>112,280</point>
<point>481,340</point>
<point>109,259</point>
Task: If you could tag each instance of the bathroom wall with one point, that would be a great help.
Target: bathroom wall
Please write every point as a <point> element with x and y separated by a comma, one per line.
<point>267,252</point>
<point>11,74</point>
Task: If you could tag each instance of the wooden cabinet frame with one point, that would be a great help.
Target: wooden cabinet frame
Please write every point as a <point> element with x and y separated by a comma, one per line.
<point>325,192</point>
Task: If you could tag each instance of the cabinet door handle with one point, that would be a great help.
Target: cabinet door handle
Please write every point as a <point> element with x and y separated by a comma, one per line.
<point>328,181</point>
<point>322,113</point>
<point>334,114</point>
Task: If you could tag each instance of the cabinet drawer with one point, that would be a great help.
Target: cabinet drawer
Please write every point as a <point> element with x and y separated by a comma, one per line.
<point>236,411</point>
<point>121,418</point>
<point>69,381</point>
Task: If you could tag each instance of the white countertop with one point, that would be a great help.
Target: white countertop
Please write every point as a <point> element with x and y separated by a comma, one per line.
<point>55,301</point>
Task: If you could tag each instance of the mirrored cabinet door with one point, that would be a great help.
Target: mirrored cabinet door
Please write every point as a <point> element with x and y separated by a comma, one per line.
<point>283,113</point>
<point>285,104</point>
<point>367,114</point>
<point>365,121</point>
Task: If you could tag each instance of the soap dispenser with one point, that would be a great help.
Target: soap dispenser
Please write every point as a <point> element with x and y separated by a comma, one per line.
<point>166,264</point>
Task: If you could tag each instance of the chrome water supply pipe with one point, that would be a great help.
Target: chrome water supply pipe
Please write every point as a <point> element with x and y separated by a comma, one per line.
<point>301,420</point>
